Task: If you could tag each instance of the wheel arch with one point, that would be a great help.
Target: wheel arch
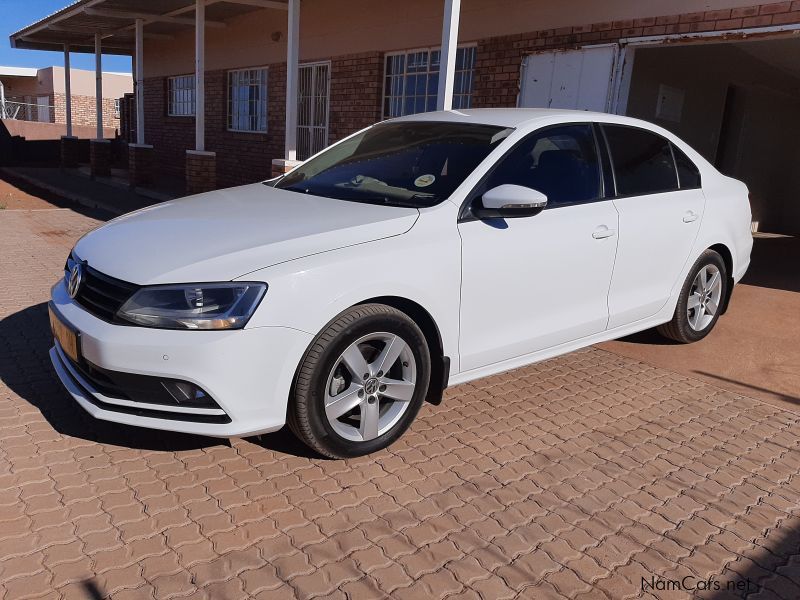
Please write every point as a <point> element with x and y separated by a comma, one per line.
<point>440,364</point>
<point>727,258</point>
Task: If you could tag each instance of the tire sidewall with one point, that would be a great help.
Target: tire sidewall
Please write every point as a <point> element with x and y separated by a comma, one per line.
<point>390,322</point>
<point>709,257</point>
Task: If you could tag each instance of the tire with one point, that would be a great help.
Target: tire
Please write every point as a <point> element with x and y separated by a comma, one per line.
<point>693,324</point>
<point>381,405</point>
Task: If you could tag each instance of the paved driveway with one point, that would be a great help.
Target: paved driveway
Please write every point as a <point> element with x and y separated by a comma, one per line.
<point>587,476</point>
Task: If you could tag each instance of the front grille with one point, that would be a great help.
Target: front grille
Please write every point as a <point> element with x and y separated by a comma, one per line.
<point>100,294</point>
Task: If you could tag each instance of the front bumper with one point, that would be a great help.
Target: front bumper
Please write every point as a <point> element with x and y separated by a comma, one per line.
<point>247,372</point>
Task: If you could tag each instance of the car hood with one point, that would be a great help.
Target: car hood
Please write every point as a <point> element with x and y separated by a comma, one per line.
<point>228,233</point>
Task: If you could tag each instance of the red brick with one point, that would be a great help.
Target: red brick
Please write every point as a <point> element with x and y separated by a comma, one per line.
<point>775,8</point>
<point>692,17</point>
<point>746,11</point>
<point>717,15</point>
<point>761,21</point>
<point>786,18</point>
<point>729,24</point>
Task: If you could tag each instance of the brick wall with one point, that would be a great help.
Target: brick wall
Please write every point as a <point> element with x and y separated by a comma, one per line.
<point>241,156</point>
<point>244,157</point>
<point>356,93</point>
<point>84,110</point>
<point>499,60</point>
<point>170,136</point>
<point>357,80</point>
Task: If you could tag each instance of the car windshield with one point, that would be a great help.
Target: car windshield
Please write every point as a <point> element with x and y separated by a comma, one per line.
<point>415,164</point>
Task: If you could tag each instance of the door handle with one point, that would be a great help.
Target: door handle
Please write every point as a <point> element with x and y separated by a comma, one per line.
<point>690,216</point>
<point>603,232</point>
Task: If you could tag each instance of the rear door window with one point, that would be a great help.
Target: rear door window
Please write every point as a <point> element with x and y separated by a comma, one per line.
<point>642,161</point>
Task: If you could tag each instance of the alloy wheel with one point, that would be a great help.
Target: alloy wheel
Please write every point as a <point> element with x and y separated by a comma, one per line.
<point>704,297</point>
<point>370,386</point>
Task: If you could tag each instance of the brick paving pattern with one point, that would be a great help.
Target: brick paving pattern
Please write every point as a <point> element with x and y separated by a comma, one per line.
<point>573,478</point>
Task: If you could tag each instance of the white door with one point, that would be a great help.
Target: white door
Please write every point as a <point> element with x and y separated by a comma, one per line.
<point>659,219</point>
<point>43,109</point>
<point>312,108</point>
<point>572,79</point>
<point>536,282</point>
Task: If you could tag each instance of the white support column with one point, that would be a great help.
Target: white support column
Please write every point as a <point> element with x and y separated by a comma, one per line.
<point>447,64</point>
<point>292,72</point>
<point>199,75</point>
<point>98,85</point>
<point>68,89</point>
<point>139,88</point>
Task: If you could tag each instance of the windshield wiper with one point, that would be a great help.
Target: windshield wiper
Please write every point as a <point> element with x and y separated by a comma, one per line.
<point>384,201</point>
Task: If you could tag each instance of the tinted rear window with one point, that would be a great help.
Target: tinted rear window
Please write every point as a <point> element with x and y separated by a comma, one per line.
<point>643,162</point>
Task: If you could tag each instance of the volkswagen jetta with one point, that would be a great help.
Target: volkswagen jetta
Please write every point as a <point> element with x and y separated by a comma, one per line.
<point>418,253</point>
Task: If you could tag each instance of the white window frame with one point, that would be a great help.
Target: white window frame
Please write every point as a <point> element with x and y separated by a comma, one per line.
<point>189,98</point>
<point>116,107</point>
<point>387,55</point>
<point>228,113</point>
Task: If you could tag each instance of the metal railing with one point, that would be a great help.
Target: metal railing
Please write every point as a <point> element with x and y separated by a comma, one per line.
<point>26,111</point>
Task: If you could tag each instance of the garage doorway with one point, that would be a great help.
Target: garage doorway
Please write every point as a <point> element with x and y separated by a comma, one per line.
<point>736,101</point>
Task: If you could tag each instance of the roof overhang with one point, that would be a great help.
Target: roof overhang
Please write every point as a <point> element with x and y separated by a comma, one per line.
<point>115,20</point>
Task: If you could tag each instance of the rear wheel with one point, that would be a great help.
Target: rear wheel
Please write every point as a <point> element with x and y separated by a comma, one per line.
<point>361,383</point>
<point>700,301</point>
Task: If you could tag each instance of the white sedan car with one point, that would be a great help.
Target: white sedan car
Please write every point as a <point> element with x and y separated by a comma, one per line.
<point>421,252</point>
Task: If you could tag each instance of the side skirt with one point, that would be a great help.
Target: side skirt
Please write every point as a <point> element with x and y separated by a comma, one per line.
<point>527,359</point>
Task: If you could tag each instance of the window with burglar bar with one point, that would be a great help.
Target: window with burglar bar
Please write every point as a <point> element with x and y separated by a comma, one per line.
<point>181,96</point>
<point>247,100</point>
<point>412,81</point>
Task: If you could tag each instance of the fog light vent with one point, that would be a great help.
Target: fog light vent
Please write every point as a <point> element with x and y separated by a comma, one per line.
<point>187,393</point>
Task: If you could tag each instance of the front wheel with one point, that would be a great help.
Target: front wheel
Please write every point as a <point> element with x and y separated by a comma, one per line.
<point>701,300</point>
<point>361,383</point>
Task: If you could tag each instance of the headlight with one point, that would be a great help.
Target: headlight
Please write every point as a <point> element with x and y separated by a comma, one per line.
<point>194,306</point>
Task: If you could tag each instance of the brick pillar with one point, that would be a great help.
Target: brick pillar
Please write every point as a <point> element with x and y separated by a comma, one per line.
<point>282,165</point>
<point>201,171</point>
<point>140,164</point>
<point>70,151</point>
<point>100,157</point>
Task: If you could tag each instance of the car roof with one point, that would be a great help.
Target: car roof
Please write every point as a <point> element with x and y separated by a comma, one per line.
<point>518,117</point>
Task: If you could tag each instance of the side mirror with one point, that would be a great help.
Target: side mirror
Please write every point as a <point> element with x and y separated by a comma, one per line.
<point>509,201</point>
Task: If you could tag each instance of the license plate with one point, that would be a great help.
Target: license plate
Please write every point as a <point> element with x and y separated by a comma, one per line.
<point>66,336</point>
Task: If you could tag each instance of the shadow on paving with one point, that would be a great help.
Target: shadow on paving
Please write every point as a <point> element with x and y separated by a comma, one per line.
<point>26,369</point>
<point>56,200</point>
<point>770,571</point>
<point>773,263</point>
<point>758,388</point>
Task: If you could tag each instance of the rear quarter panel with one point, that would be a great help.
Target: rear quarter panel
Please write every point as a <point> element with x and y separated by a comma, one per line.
<point>726,220</point>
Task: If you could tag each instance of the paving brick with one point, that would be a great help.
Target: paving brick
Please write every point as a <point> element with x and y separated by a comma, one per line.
<point>569,478</point>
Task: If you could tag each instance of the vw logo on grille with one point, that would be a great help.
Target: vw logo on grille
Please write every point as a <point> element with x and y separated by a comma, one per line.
<point>75,280</point>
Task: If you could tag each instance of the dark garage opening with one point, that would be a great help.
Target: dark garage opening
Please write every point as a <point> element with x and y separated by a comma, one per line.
<point>738,103</point>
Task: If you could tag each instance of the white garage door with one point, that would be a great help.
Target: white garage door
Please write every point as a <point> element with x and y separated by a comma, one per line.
<point>576,79</point>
